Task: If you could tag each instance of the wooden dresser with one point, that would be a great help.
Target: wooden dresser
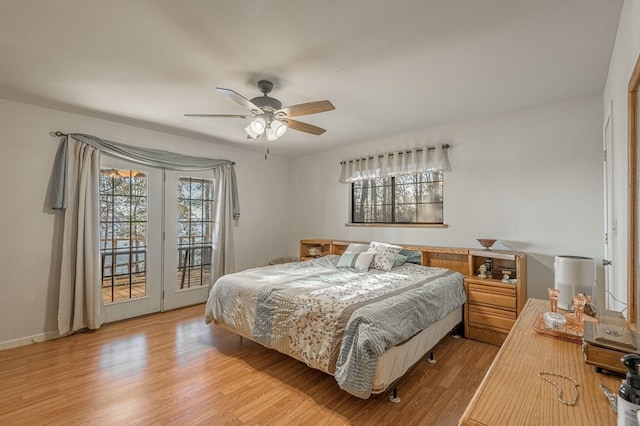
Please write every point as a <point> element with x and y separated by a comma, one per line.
<point>511,393</point>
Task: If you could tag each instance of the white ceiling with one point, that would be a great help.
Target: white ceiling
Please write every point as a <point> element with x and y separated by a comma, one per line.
<point>387,66</point>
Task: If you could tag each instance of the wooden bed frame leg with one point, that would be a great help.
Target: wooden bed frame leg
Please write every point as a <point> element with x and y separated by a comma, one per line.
<point>431,359</point>
<point>394,398</point>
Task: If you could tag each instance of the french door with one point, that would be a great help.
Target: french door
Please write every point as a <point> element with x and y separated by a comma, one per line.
<point>155,238</point>
<point>188,232</point>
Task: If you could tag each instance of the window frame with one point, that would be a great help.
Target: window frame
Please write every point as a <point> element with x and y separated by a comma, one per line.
<point>394,222</point>
<point>193,256</point>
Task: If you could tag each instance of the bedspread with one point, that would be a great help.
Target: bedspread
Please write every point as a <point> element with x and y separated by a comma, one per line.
<point>336,320</point>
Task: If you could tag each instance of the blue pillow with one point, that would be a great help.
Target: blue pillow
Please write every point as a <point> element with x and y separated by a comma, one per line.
<point>399,260</point>
<point>358,261</point>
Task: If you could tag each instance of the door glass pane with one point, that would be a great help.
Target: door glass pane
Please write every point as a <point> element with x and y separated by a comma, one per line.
<point>195,225</point>
<point>123,234</point>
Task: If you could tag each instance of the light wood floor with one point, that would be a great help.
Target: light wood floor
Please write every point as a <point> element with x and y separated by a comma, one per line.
<point>171,368</point>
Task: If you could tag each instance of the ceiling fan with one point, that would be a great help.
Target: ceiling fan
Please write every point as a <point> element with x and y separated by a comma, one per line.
<point>269,117</point>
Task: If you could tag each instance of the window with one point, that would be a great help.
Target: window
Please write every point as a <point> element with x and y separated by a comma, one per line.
<point>414,198</point>
<point>123,234</point>
<point>195,231</point>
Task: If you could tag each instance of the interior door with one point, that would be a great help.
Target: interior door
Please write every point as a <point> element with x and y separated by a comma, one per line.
<point>610,236</point>
<point>130,238</point>
<point>188,235</point>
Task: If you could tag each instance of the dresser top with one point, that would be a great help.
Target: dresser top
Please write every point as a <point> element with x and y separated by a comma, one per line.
<point>512,393</point>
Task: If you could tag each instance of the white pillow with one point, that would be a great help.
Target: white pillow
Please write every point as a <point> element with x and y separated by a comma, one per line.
<point>385,255</point>
<point>358,261</point>
<point>357,248</point>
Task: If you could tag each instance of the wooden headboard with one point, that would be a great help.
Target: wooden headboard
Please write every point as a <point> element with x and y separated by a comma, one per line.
<point>457,259</point>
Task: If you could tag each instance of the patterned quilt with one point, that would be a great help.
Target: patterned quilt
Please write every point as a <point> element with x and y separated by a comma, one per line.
<point>336,320</point>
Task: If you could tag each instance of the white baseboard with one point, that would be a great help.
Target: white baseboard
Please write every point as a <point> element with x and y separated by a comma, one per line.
<point>23,341</point>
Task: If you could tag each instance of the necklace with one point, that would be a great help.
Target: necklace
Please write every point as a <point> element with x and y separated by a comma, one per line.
<point>557,386</point>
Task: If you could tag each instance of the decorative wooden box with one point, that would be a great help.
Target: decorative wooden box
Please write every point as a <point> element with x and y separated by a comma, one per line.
<point>605,354</point>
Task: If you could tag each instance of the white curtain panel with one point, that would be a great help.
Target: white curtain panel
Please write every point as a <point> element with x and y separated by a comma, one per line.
<point>395,164</point>
<point>80,300</point>
<point>222,252</point>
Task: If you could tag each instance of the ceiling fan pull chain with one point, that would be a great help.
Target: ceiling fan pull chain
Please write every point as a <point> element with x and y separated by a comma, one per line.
<point>266,150</point>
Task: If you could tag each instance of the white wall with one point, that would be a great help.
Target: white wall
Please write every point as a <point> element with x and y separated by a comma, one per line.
<point>28,295</point>
<point>623,59</point>
<point>532,179</point>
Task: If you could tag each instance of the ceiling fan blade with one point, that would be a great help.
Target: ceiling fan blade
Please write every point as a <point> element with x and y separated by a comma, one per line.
<point>238,98</point>
<point>305,109</point>
<point>304,127</point>
<point>218,115</point>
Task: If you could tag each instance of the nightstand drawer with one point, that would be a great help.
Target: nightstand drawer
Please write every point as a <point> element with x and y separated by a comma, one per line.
<point>491,317</point>
<point>477,294</point>
<point>493,337</point>
<point>492,286</point>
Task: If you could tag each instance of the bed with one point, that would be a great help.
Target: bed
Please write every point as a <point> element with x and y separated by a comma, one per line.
<point>365,325</point>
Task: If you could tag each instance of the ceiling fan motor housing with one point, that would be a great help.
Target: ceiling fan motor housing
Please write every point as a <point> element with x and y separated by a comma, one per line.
<point>266,103</point>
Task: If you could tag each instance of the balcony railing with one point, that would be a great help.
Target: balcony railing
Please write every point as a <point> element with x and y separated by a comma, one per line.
<point>124,270</point>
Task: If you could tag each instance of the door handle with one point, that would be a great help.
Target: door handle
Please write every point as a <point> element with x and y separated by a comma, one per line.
<point>606,262</point>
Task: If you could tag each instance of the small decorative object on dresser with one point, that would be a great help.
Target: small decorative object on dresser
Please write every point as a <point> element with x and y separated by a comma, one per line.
<point>608,340</point>
<point>553,298</point>
<point>315,251</point>
<point>486,242</point>
<point>482,271</point>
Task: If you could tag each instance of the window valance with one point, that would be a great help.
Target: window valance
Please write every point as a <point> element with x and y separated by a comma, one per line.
<point>395,164</point>
<point>146,156</point>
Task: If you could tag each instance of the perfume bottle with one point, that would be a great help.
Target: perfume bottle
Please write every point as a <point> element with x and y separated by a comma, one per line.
<point>629,392</point>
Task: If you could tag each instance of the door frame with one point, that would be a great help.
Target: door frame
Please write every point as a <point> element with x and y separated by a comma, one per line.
<point>632,207</point>
<point>610,218</point>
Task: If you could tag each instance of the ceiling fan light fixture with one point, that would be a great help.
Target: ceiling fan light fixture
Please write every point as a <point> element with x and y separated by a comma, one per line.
<point>250,133</point>
<point>278,127</point>
<point>271,135</point>
<point>256,127</point>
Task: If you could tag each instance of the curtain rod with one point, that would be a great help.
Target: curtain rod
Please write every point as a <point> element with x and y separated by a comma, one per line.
<point>371,157</point>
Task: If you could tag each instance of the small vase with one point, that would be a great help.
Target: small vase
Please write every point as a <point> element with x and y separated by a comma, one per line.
<point>553,298</point>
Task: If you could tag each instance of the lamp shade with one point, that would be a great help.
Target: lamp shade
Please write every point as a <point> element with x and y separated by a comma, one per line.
<point>256,127</point>
<point>278,127</point>
<point>275,129</point>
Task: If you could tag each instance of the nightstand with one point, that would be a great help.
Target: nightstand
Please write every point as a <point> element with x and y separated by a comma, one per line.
<point>493,305</point>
